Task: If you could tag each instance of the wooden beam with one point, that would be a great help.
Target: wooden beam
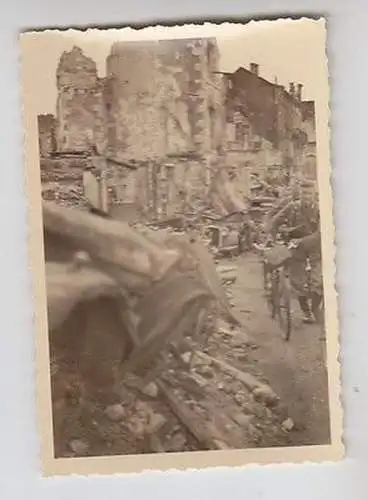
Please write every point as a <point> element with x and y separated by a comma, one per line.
<point>210,440</point>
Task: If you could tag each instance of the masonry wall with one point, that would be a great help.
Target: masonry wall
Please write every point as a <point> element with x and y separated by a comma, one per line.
<point>166,97</point>
<point>46,134</point>
<point>164,105</point>
<point>134,117</point>
<point>81,114</point>
<point>278,127</point>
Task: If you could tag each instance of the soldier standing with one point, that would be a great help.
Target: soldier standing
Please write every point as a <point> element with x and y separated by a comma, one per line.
<point>301,215</point>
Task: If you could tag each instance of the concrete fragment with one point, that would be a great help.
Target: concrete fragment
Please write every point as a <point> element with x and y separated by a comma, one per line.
<point>136,427</point>
<point>155,422</point>
<point>78,446</point>
<point>242,419</point>
<point>264,394</point>
<point>177,442</point>
<point>186,357</point>
<point>288,424</point>
<point>151,390</point>
<point>115,412</point>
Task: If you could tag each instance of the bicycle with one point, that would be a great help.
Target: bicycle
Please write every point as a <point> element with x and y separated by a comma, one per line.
<point>277,285</point>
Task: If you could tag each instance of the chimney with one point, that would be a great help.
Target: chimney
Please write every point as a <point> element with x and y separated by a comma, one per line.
<point>254,68</point>
<point>292,89</point>
<point>299,91</point>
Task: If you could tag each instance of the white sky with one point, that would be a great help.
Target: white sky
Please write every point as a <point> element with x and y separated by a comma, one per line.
<point>287,49</point>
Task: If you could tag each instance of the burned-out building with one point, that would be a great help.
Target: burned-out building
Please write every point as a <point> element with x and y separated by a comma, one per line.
<point>46,134</point>
<point>159,109</point>
<point>164,119</point>
<point>268,128</point>
<point>310,152</point>
<point>165,97</point>
<point>80,107</point>
<point>166,107</point>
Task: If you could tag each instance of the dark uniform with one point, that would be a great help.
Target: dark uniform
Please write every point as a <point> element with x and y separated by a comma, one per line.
<point>302,218</point>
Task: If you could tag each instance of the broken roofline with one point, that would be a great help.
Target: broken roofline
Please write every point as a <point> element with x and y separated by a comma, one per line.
<point>264,81</point>
<point>163,41</point>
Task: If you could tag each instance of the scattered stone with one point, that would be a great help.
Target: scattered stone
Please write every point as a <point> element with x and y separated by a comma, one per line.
<point>186,357</point>
<point>269,413</point>
<point>242,357</point>
<point>224,328</point>
<point>78,446</point>
<point>115,412</point>
<point>254,433</point>
<point>199,380</point>
<point>151,390</point>
<point>239,398</point>
<point>247,410</point>
<point>288,424</point>
<point>155,422</point>
<point>177,442</point>
<point>136,427</point>
<point>238,342</point>
<point>282,412</point>
<point>242,420</point>
<point>155,444</point>
<point>220,444</point>
<point>141,407</point>
<point>265,394</point>
<point>205,370</point>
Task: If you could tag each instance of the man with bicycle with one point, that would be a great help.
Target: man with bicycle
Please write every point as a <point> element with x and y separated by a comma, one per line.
<point>297,216</point>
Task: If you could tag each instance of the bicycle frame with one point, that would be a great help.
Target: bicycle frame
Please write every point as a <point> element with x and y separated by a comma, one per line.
<point>278,291</point>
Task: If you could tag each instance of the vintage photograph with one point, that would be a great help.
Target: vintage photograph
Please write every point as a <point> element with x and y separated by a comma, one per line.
<point>182,245</point>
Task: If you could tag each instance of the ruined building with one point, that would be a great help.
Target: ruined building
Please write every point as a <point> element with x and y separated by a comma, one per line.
<point>159,107</point>
<point>165,97</point>
<point>309,127</point>
<point>268,128</point>
<point>165,106</point>
<point>80,108</point>
<point>165,119</point>
<point>157,98</point>
<point>46,134</point>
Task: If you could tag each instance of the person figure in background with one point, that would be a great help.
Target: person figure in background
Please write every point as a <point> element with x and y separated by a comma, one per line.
<point>290,194</point>
<point>300,213</point>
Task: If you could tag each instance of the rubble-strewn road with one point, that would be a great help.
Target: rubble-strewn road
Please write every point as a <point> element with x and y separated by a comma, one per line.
<point>243,388</point>
<point>295,369</point>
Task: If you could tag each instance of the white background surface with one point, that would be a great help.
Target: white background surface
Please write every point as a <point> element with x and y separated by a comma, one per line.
<point>348,63</point>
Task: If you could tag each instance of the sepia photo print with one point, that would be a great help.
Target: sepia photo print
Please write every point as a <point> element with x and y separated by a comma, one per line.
<point>182,246</point>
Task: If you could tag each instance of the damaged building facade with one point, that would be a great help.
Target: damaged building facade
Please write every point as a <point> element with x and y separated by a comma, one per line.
<point>80,108</point>
<point>159,111</point>
<point>46,135</point>
<point>165,112</point>
<point>164,122</point>
<point>269,130</point>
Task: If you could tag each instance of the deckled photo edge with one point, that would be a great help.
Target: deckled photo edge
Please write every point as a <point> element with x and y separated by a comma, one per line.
<point>36,261</point>
<point>109,465</point>
<point>324,144</point>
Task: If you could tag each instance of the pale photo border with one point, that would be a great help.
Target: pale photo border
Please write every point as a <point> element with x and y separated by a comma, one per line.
<point>188,460</point>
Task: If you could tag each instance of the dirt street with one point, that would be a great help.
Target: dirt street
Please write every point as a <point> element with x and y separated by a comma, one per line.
<point>295,369</point>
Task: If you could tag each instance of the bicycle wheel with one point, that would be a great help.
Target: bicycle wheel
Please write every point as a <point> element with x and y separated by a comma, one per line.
<point>319,312</point>
<point>285,320</point>
<point>284,310</point>
<point>274,294</point>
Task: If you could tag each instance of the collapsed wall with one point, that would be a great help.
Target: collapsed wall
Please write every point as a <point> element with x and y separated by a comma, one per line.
<point>80,112</point>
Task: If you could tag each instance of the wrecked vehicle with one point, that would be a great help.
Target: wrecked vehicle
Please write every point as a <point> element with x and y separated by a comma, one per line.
<point>116,299</point>
<point>233,233</point>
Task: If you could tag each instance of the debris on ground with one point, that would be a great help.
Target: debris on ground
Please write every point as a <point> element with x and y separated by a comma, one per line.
<point>207,393</point>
